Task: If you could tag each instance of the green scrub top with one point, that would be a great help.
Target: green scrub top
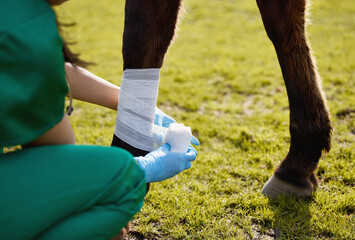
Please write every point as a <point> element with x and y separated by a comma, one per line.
<point>32,76</point>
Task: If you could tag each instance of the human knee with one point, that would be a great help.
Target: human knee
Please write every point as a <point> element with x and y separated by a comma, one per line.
<point>105,165</point>
<point>129,184</point>
<point>124,180</point>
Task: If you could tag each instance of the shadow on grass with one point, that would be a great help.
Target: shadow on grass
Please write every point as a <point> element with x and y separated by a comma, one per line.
<point>292,217</point>
<point>134,234</point>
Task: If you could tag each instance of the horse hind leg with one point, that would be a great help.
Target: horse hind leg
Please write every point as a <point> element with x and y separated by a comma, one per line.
<point>310,126</point>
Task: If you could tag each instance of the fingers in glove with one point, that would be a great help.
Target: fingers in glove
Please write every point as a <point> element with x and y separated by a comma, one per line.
<point>188,165</point>
<point>167,121</point>
<point>191,147</point>
<point>166,147</point>
<point>194,141</point>
<point>190,155</point>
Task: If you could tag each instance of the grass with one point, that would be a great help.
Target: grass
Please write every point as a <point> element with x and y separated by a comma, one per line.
<point>222,78</point>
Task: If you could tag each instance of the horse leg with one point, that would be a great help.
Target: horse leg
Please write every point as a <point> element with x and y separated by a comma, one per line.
<point>149,28</point>
<point>310,126</point>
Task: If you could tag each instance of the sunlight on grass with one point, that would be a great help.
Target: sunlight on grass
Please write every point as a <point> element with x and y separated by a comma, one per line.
<point>222,78</point>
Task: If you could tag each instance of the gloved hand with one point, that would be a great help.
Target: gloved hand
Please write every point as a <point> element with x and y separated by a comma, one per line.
<point>162,164</point>
<point>163,120</point>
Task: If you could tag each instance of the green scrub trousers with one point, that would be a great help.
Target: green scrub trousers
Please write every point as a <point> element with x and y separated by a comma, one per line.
<point>68,192</point>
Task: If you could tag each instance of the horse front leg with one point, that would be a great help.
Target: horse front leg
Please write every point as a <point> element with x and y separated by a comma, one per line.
<point>149,28</point>
<point>310,126</point>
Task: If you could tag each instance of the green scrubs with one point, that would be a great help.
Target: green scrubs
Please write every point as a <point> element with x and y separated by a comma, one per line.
<point>32,76</point>
<point>52,192</point>
<point>68,192</point>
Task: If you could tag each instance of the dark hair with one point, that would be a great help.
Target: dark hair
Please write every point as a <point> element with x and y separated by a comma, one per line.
<point>69,56</point>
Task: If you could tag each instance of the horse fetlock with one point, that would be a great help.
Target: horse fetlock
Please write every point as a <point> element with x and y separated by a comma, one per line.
<point>313,135</point>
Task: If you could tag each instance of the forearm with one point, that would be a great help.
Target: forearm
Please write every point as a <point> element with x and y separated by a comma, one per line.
<point>88,87</point>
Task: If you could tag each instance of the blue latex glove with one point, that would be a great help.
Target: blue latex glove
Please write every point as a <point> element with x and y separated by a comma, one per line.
<point>162,164</point>
<point>164,120</point>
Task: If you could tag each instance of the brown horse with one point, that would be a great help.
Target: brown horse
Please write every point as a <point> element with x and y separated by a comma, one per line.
<point>149,28</point>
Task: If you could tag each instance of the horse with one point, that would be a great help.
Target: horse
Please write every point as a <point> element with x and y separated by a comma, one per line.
<point>149,28</point>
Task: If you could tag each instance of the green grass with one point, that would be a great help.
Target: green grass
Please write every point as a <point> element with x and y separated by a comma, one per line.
<point>222,78</point>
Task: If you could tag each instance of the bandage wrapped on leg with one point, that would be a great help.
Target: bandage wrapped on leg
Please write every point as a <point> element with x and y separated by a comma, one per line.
<point>139,122</point>
<point>136,115</point>
<point>136,109</point>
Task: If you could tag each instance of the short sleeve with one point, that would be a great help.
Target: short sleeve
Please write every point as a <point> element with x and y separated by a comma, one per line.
<point>32,79</point>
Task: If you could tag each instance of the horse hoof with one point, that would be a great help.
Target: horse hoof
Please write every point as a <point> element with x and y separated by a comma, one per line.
<point>275,187</point>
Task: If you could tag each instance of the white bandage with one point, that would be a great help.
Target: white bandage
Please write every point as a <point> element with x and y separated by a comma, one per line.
<point>178,136</point>
<point>136,109</point>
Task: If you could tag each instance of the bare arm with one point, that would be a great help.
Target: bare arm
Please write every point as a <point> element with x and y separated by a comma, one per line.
<point>88,87</point>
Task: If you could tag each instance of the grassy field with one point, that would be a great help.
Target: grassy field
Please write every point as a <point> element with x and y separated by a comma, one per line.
<point>222,78</point>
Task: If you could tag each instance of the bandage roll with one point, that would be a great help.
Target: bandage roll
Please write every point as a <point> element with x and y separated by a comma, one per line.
<point>178,136</point>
